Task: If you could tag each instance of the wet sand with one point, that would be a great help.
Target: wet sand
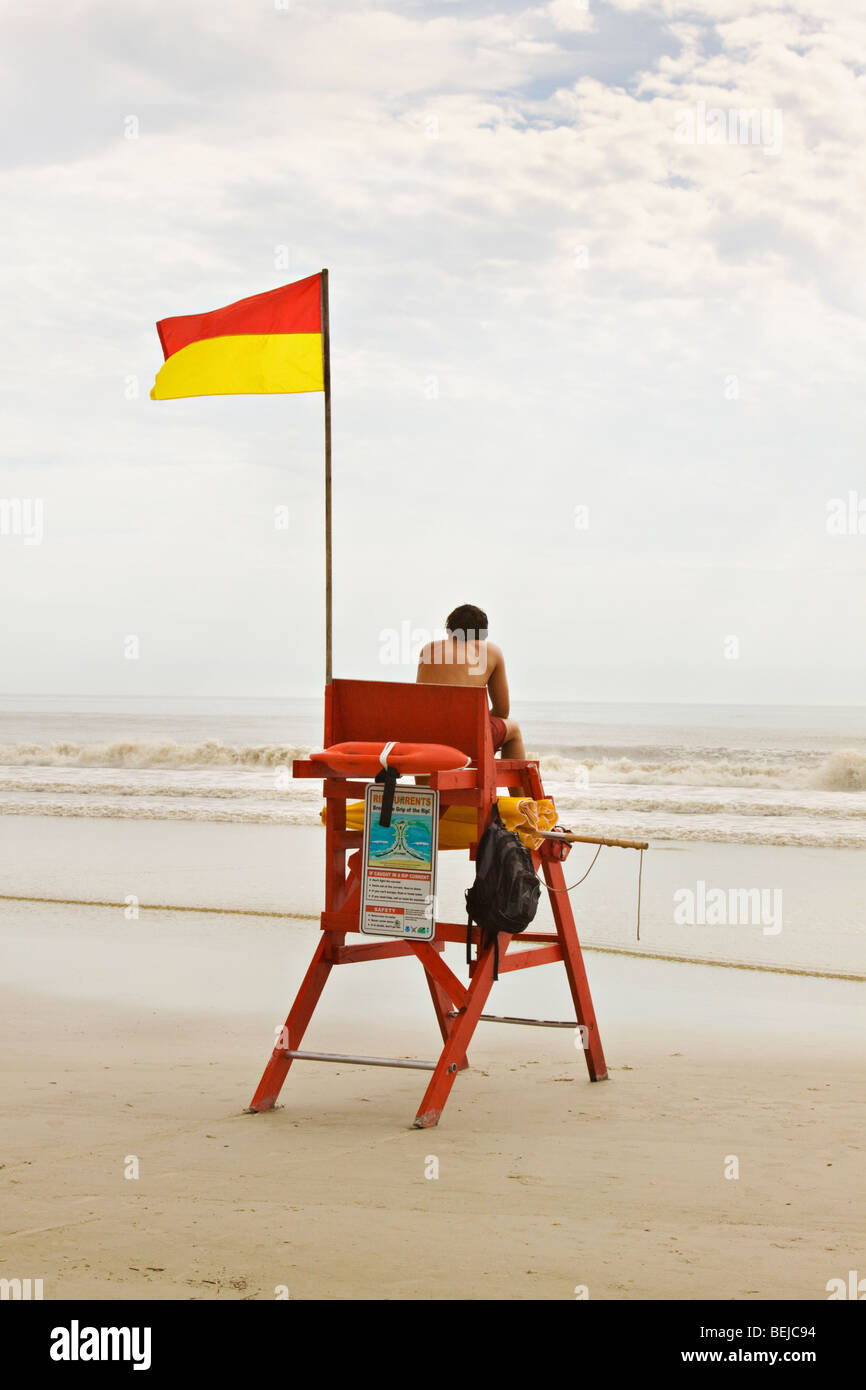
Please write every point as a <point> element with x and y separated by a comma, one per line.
<point>141,1041</point>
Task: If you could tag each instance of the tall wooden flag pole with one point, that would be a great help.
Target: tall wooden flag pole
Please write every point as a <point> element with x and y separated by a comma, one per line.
<point>326,373</point>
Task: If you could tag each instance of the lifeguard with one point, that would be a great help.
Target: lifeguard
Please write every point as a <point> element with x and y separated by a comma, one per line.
<point>465,657</point>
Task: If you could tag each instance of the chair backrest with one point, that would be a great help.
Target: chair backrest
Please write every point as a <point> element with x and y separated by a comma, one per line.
<point>371,710</point>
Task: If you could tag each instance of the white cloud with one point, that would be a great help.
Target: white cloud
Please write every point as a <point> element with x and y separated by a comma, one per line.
<point>497,219</point>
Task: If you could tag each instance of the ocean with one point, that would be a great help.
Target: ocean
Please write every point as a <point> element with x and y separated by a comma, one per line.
<point>775,775</point>
<point>190,804</point>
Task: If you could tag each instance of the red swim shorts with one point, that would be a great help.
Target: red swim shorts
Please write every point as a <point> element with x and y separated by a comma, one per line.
<point>498,730</point>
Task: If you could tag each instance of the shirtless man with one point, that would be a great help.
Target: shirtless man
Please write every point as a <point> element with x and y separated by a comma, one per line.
<point>465,657</point>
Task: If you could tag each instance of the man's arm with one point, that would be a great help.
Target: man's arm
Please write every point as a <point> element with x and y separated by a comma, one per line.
<point>497,684</point>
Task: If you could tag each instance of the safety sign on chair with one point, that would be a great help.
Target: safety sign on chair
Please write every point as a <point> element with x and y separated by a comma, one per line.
<point>398,890</point>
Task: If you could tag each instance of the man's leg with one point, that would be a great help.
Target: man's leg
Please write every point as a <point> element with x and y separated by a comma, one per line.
<point>512,747</point>
<point>513,744</point>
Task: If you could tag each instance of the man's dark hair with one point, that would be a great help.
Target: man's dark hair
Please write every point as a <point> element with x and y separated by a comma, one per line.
<point>467,622</point>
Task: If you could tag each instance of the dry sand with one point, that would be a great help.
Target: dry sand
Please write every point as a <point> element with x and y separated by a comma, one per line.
<point>545,1183</point>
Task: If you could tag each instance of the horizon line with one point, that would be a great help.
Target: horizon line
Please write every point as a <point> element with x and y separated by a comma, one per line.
<point>689,704</point>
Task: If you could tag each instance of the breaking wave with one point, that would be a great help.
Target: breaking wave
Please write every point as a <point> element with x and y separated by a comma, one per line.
<point>841,771</point>
<point>166,754</point>
<point>768,796</point>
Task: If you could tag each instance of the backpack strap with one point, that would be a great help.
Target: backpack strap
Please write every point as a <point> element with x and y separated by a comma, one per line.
<point>495,948</point>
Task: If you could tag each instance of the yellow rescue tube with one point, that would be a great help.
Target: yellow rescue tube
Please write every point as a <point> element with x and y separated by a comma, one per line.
<point>458,828</point>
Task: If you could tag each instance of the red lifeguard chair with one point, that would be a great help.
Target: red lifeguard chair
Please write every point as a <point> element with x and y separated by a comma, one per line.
<point>434,714</point>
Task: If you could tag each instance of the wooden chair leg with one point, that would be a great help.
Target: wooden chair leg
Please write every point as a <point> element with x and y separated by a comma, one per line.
<point>295,1026</point>
<point>572,957</point>
<point>458,1040</point>
<point>442,1005</point>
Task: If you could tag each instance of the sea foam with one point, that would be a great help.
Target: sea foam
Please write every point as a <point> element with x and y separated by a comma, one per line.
<point>840,771</point>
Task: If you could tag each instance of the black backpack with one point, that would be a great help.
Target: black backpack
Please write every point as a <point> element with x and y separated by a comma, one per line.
<point>504,896</point>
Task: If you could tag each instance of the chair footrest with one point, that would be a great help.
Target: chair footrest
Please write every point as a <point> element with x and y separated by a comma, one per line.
<point>530,1022</point>
<point>297,1056</point>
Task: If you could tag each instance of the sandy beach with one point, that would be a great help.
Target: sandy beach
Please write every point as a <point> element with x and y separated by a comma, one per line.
<point>143,1040</point>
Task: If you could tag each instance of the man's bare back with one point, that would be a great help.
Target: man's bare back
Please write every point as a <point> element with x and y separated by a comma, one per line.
<point>458,662</point>
<point>466,657</point>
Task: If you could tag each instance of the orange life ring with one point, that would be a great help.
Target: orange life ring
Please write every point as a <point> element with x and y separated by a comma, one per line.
<point>368,759</point>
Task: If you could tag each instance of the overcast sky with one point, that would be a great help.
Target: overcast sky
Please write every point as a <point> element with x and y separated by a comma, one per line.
<point>595,368</point>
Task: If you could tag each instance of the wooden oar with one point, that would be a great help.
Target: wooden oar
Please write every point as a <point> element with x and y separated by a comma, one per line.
<point>566,837</point>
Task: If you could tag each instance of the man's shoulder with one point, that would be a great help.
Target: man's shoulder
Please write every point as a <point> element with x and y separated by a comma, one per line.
<point>494,653</point>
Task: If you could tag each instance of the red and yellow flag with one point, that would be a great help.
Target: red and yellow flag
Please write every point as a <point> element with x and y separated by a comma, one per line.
<point>267,344</point>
